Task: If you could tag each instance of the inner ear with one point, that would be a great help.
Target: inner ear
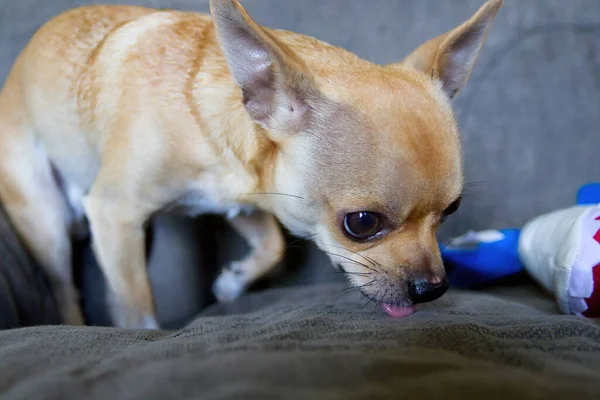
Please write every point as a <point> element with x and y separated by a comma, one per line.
<point>457,56</point>
<point>275,83</point>
<point>451,57</point>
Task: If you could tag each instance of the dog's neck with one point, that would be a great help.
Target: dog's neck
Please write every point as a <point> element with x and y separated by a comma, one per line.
<point>245,146</point>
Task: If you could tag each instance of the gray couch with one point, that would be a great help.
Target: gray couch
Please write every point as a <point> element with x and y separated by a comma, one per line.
<point>530,120</point>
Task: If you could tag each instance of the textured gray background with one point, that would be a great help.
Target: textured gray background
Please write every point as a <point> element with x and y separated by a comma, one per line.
<point>529,116</point>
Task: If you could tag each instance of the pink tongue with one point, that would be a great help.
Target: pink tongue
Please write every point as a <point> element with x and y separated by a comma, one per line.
<point>398,311</point>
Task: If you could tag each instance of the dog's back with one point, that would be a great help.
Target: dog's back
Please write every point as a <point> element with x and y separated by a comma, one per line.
<point>55,88</point>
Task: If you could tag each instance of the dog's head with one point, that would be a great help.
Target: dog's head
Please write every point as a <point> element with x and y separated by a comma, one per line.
<point>369,155</point>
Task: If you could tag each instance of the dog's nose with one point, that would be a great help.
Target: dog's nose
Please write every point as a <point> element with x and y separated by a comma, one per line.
<point>424,291</point>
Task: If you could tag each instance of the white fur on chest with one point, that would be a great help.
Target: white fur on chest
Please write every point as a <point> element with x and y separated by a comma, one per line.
<point>197,203</point>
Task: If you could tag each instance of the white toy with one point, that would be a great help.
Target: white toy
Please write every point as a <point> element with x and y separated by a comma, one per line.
<point>560,250</point>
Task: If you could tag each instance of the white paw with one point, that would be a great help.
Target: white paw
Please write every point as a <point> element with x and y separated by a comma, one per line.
<point>149,322</point>
<point>144,322</point>
<point>130,318</point>
<point>229,286</point>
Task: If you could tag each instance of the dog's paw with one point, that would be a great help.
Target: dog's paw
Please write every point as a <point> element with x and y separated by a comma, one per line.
<point>148,322</point>
<point>136,321</point>
<point>130,317</point>
<point>229,286</point>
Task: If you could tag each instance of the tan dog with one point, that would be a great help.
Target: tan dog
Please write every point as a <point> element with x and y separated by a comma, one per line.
<point>118,113</point>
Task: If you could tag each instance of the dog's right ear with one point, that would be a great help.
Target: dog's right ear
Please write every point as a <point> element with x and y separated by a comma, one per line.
<point>274,81</point>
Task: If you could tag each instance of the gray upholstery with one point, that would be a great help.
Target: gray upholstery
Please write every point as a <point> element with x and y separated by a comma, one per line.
<point>307,343</point>
<point>530,114</point>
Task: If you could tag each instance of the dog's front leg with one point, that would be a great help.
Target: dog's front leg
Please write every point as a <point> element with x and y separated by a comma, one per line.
<point>267,245</point>
<point>118,239</point>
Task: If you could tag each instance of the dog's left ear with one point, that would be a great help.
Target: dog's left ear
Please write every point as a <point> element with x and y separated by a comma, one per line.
<point>450,57</point>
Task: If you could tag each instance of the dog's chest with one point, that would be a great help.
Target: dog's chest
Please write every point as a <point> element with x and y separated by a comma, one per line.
<point>197,203</point>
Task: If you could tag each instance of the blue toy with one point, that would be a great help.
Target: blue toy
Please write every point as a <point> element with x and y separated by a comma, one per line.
<point>480,258</point>
<point>561,250</point>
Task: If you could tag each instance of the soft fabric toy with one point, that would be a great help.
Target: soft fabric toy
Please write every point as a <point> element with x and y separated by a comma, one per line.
<point>560,250</point>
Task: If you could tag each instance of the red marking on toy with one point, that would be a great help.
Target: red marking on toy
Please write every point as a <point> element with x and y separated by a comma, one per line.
<point>597,236</point>
<point>593,302</point>
<point>598,219</point>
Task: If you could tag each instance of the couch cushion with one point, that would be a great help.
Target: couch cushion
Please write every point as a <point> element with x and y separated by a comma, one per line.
<point>310,343</point>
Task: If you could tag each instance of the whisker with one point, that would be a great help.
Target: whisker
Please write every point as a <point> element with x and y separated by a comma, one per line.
<point>348,291</point>
<point>295,241</point>
<point>345,293</point>
<point>375,264</point>
<point>354,289</point>
<point>471,189</point>
<point>362,275</point>
<point>354,262</point>
<point>364,285</point>
<point>274,194</point>
<point>376,307</point>
<point>445,244</point>
<point>369,268</point>
<point>380,301</point>
<point>468,195</point>
<point>477,183</point>
<point>335,272</point>
<point>349,259</point>
<point>344,257</point>
<point>359,274</point>
<point>291,245</point>
<point>369,302</point>
<point>309,237</point>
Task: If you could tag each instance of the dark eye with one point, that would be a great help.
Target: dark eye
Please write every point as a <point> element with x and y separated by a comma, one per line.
<point>452,208</point>
<point>362,225</point>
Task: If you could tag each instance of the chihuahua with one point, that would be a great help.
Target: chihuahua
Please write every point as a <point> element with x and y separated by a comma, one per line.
<point>112,114</point>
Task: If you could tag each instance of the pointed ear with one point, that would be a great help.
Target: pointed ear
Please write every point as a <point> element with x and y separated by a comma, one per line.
<point>450,57</point>
<point>274,81</point>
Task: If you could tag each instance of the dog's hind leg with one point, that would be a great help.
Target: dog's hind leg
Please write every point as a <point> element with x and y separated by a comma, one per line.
<point>34,202</point>
<point>263,234</point>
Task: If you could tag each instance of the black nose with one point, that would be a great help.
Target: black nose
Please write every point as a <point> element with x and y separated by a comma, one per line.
<point>423,291</point>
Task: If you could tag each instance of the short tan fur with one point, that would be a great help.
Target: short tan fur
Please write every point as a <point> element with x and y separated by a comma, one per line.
<point>118,113</point>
